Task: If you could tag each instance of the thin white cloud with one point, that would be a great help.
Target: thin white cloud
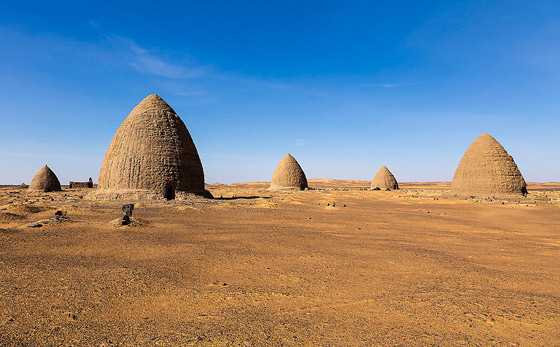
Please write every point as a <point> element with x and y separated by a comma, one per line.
<point>144,60</point>
<point>193,80</point>
<point>301,142</point>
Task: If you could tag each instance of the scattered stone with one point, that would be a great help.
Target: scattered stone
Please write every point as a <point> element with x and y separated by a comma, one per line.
<point>59,214</point>
<point>125,220</point>
<point>59,217</point>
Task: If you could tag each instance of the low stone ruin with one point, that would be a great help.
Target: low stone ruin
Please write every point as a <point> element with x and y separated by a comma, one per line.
<point>88,184</point>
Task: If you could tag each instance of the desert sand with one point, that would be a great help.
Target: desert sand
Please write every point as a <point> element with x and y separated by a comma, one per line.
<point>334,265</point>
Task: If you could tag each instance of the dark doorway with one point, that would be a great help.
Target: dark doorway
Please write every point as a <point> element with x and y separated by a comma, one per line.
<point>170,193</point>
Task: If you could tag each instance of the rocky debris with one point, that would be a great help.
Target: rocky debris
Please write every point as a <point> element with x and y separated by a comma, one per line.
<point>127,210</point>
<point>60,214</point>
<point>126,221</point>
<point>59,217</point>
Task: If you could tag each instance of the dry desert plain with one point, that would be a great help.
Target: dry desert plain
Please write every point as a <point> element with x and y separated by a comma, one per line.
<point>260,268</point>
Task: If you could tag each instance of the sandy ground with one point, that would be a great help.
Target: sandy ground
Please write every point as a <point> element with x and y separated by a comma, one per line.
<point>255,268</point>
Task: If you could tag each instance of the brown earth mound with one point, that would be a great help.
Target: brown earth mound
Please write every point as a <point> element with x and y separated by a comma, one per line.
<point>45,181</point>
<point>9,217</point>
<point>487,168</point>
<point>384,179</point>
<point>288,175</point>
<point>152,153</point>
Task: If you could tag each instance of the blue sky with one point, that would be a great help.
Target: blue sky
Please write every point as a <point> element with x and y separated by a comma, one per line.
<point>345,87</point>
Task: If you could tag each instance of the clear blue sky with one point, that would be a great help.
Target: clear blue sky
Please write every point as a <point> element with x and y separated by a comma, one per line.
<point>345,86</point>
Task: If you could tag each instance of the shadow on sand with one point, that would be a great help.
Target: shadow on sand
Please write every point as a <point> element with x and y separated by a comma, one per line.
<point>242,197</point>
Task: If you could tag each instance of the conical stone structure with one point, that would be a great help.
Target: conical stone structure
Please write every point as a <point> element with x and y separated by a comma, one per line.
<point>384,180</point>
<point>45,181</point>
<point>288,175</point>
<point>486,168</point>
<point>152,155</point>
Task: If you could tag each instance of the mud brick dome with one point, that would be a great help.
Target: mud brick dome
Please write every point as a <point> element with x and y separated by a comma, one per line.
<point>288,175</point>
<point>384,179</point>
<point>486,168</point>
<point>45,181</point>
<point>152,151</point>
